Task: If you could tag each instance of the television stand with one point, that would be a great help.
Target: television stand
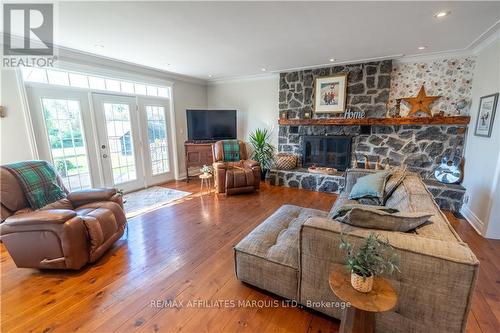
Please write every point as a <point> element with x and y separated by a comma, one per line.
<point>196,154</point>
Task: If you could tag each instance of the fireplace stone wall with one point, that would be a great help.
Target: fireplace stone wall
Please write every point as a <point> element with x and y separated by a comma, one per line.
<point>420,147</point>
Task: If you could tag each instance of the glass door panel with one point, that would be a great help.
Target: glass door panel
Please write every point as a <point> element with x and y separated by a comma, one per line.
<point>62,127</point>
<point>157,138</point>
<point>118,134</point>
<point>65,132</point>
<point>120,140</point>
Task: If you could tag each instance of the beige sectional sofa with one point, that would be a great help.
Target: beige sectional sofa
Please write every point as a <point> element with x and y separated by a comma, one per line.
<point>293,252</point>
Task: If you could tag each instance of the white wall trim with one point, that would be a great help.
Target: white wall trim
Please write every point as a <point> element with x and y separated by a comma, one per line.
<point>473,220</point>
<point>28,122</point>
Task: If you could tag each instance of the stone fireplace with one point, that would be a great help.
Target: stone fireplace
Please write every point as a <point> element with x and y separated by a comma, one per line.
<point>332,141</point>
<point>326,151</point>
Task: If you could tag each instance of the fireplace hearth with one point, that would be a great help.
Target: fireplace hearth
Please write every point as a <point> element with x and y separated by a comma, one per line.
<point>327,151</point>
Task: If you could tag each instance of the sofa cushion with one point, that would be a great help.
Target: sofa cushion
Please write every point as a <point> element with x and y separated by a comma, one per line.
<point>412,196</point>
<point>272,249</point>
<point>276,239</point>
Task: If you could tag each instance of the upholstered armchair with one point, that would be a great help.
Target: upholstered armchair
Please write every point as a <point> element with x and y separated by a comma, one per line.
<point>233,177</point>
<point>66,234</point>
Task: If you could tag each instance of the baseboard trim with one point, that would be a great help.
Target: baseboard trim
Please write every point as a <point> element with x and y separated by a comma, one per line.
<point>473,220</point>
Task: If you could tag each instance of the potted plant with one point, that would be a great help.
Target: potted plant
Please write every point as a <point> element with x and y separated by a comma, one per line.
<point>206,169</point>
<point>374,257</point>
<point>263,151</point>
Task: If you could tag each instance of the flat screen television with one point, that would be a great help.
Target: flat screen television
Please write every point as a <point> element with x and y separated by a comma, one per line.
<point>211,124</point>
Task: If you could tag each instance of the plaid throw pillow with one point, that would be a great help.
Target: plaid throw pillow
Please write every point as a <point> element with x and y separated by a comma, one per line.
<point>38,179</point>
<point>231,150</point>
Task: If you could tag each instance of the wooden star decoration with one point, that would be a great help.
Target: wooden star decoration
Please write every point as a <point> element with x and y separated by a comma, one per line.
<point>421,103</point>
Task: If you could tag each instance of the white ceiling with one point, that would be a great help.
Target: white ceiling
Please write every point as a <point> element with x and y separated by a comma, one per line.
<point>226,39</point>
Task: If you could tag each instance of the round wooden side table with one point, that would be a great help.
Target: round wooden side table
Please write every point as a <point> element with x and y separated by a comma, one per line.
<point>206,182</point>
<point>360,316</point>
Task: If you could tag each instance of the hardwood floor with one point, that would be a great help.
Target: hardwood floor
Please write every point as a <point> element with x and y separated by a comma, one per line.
<point>183,252</point>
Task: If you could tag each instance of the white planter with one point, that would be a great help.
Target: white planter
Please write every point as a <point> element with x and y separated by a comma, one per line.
<point>361,283</point>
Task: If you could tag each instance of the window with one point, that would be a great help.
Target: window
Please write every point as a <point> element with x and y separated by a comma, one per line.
<point>82,80</point>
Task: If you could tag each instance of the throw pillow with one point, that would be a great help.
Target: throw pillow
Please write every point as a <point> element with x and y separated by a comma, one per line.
<point>371,186</point>
<point>381,218</point>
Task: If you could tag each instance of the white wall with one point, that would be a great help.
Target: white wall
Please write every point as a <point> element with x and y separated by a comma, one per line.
<point>14,142</point>
<point>482,155</point>
<point>256,100</point>
<point>14,133</point>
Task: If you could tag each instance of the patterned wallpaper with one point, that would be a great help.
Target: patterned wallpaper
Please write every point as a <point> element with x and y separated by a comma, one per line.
<point>450,78</point>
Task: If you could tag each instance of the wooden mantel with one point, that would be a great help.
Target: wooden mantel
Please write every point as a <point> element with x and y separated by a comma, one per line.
<point>450,120</point>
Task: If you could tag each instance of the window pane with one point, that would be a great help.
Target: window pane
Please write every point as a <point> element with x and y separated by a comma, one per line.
<point>127,87</point>
<point>112,85</point>
<point>97,83</point>
<point>34,74</point>
<point>163,92</point>
<point>140,89</point>
<point>57,77</point>
<point>78,80</point>
<point>152,91</point>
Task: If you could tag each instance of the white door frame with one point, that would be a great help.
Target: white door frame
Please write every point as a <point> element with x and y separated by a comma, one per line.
<point>98,99</point>
<point>162,177</point>
<point>34,96</point>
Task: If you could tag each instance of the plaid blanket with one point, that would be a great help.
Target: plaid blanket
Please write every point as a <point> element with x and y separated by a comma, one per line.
<point>38,179</point>
<point>231,150</point>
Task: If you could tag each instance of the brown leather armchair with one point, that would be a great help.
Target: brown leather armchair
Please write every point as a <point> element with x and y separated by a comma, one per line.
<point>66,234</point>
<point>235,177</point>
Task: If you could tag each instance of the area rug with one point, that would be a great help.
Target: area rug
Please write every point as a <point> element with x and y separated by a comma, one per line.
<point>149,199</point>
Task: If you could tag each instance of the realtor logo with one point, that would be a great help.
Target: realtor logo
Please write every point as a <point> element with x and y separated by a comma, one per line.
<point>28,29</point>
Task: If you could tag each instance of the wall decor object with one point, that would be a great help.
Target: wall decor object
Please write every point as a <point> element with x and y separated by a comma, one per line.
<point>330,94</point>
<point>486,115</point>
<point>420,103</point>
<point>283,115</point>
<point>349,114</point>
<point>2,112</point>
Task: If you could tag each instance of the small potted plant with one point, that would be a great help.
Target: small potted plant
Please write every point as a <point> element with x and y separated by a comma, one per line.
<point>374,257</point>
<point>206,169</point>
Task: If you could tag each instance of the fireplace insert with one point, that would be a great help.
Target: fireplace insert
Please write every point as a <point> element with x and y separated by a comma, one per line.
<point>327,151</point>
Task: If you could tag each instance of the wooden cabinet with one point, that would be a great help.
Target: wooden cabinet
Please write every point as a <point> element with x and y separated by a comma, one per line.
<point>196,155</point>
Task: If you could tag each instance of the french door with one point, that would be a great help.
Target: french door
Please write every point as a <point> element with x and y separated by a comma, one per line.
<point>119,141</point>
<point>122,141</point>
<point>157,139</point>
<point>63,133</point>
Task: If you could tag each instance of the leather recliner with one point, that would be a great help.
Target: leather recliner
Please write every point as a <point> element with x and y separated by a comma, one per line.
<point>66,234</point>
<point>235,177</point>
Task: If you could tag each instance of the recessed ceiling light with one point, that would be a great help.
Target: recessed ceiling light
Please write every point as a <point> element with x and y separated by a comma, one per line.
<point>263,69</point>
<point>442,14</point>
<point>422,47</point>
<point>99,46</point>
<point>332,59</point>
<point>209,75</point>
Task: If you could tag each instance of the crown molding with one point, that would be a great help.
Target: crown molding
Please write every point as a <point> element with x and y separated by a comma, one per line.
<point>73,56</point>
<point>243,78</point>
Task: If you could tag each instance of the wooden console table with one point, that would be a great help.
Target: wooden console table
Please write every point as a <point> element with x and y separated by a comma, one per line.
<point>197,155</point>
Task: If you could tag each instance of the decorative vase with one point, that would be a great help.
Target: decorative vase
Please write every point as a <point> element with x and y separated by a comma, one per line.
<point>361,284</point>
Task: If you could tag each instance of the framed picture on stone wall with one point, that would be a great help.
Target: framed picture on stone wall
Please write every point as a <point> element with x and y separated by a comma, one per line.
<point>486,115</point>
<point>330,94</point>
